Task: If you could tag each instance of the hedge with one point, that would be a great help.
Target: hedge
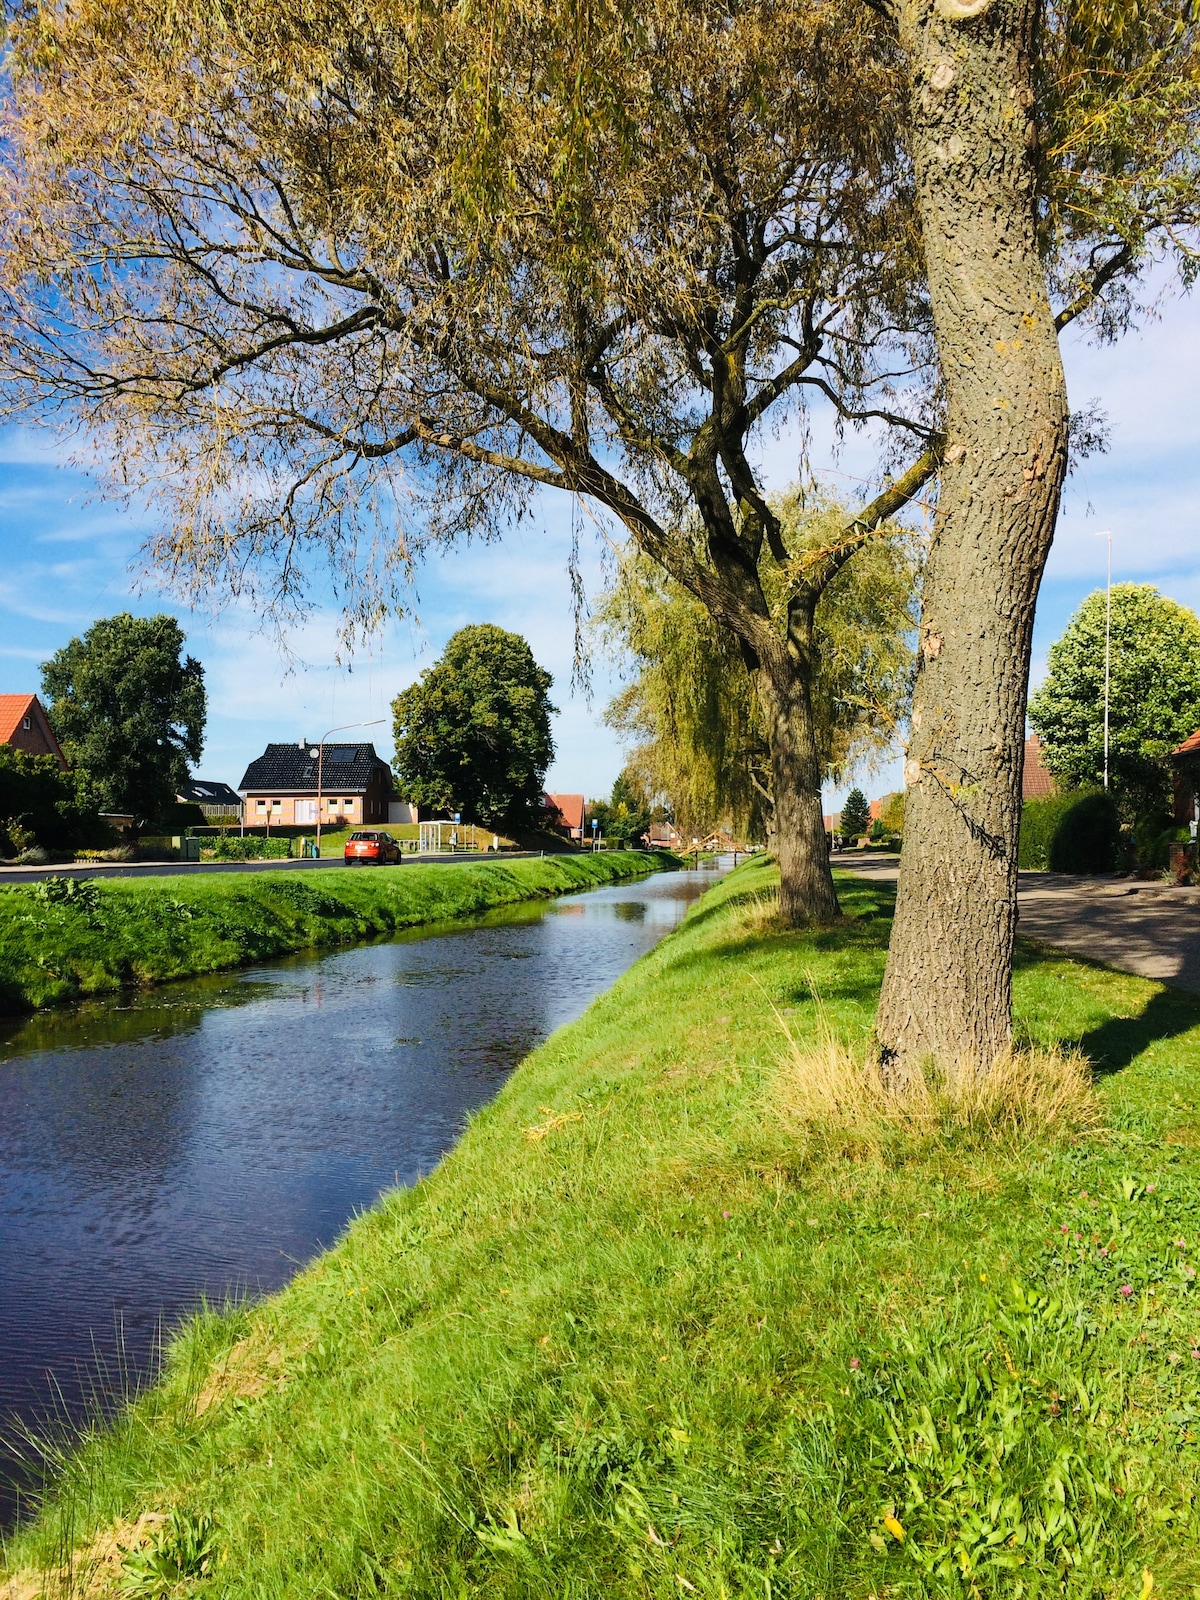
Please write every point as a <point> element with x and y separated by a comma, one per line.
<point>1077,831</point>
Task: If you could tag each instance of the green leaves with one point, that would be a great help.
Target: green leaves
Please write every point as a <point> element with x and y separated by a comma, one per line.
<point>473,734</point>
<point>129,711</point>
<point>1154,695</point>
<point>183,1548</point>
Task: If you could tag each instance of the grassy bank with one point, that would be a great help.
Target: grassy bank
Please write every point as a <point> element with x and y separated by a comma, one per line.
<point>645,1333</point>
<point>68,939</point>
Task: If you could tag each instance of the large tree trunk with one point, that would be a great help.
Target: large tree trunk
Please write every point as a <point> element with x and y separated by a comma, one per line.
<point>807,897</point>
<point>947,989</point>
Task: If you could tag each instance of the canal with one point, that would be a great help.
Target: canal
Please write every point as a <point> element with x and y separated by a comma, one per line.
<point>208,1138</point>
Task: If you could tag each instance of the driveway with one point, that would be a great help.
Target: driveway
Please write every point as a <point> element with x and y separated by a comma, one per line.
<point>1152,929</point>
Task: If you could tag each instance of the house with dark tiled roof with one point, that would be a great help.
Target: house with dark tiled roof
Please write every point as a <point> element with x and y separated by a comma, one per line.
<point>25,726</point>
<point>293,784</point>
<point>214,799</point>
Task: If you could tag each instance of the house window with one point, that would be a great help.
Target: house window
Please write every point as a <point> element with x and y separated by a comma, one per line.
<point>262,805</point>
<point>276,805</point>
<point>26,724</point>
<point>349,804</point>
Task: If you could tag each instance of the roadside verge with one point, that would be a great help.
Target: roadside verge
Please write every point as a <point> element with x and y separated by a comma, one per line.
<point>68,939</point>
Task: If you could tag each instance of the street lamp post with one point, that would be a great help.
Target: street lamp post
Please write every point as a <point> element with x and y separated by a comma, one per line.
<point>321,763</point>
<point>1107,646</point>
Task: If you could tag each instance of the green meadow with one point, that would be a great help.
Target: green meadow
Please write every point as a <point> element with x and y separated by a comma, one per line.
<point>649,1333</point>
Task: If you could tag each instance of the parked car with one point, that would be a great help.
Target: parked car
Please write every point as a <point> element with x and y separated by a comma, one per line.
<point>368,847</point>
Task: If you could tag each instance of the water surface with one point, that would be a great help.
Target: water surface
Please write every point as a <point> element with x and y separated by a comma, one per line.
<point>209,1137</point>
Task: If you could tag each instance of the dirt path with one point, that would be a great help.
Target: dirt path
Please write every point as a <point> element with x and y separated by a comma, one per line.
<point>1152,929</point>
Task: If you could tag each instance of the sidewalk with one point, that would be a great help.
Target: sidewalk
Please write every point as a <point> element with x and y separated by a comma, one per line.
<point>1152,929</point>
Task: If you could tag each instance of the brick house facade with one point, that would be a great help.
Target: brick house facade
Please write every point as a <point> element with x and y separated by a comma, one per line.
<point>280,788</point>
<point>24,725</point>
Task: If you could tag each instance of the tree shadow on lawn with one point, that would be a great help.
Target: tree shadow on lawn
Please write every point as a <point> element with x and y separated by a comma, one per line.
<point>1114,1044</point>
<point>849,957</point>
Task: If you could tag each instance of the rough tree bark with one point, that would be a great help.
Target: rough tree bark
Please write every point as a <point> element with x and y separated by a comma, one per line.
<point>784,685</point>
<point>947,988</point>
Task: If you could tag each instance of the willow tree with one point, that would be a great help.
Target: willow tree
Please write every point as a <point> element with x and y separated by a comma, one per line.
<point>344,279</point>
<point>690,703</point>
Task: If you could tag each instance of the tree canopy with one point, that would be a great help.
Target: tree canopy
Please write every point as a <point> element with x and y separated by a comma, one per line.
<point>129,711</point>
<point>691,707</point>
<point>473,733</point>
<point>627,813</point>
<point>856,815</point>
<point>1154,696</point>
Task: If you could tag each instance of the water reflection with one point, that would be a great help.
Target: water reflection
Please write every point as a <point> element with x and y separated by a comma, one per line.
<point>210,1136</point>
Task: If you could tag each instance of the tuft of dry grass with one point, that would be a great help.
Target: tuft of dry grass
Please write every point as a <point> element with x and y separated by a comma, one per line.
<point>1026,1093</point>
<point>94,1573</point>
<point>759,913</point>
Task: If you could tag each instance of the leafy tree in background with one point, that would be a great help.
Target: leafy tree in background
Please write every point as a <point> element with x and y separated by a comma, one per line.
<point>1154,696</point>
<point>625,816</point>
<point>891,813</point>
<point>129,711</point>
<point>856,815</point>
<point>692,706</point>
<point>473,733</point>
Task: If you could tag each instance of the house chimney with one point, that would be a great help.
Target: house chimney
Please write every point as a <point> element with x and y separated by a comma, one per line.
<point>300,743</point>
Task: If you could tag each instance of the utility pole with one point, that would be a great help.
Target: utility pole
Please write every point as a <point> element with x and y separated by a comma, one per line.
<point>1107,647</point>
<point>321,764</point>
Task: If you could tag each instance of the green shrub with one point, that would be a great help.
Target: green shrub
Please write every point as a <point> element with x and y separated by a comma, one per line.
<point>249,848</point>
<point>1077,831</point>
<point>1153,836</point>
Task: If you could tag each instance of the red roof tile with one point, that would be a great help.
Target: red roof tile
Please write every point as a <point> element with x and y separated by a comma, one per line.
<point>1037,783</point>
<point>1189,747</point>
<point>570,806</point>
<point>39,738</point>
<point>14,708</point>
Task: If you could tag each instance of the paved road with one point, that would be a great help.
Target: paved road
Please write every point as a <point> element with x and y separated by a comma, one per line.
<point>1152,929</point>
<point>184,869</point>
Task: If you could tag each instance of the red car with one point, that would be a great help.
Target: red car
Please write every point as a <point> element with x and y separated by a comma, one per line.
<point>369,848</point>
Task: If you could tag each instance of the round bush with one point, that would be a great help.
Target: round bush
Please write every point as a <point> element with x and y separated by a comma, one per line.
<point>1088,836</point>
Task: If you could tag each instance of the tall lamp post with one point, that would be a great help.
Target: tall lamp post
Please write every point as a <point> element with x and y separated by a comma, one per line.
<point>321,763</point>
<point>1106,534</point>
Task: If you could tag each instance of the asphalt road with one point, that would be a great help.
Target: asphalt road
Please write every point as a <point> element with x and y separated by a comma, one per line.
<point>187,869</point>
<point>1152,929</point>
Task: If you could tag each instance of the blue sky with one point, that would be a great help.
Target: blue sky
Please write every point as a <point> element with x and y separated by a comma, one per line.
<point>70,558</point>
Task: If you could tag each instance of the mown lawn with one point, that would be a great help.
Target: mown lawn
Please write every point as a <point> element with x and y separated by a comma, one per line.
<point>69,938</point>
<point>641,1335</point>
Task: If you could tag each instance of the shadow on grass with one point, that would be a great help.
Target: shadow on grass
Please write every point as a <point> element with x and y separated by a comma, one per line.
<point>1115,1043</point>
<point>744,905</point>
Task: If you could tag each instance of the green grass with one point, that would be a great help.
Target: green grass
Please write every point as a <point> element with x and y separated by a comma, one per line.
<point>73,938</point>
<point>639,1336</point>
